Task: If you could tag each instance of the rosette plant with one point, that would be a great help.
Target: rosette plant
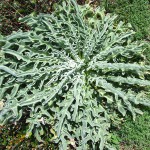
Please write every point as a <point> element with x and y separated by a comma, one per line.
<point>73,71</point>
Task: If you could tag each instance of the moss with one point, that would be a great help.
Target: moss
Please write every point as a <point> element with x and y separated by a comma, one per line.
<point>137,12</point>
<point>133,134</point>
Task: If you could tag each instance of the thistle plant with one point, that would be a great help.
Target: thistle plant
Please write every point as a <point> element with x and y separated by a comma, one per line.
<point>73,71</point>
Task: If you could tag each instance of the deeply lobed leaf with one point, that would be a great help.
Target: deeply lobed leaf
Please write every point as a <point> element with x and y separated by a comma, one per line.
<point>71,71</point>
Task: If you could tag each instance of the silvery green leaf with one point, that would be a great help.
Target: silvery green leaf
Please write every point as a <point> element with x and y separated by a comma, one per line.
<point>72,71</point>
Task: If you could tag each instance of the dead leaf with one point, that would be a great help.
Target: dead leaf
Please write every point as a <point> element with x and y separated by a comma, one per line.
<point>1,105</point>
